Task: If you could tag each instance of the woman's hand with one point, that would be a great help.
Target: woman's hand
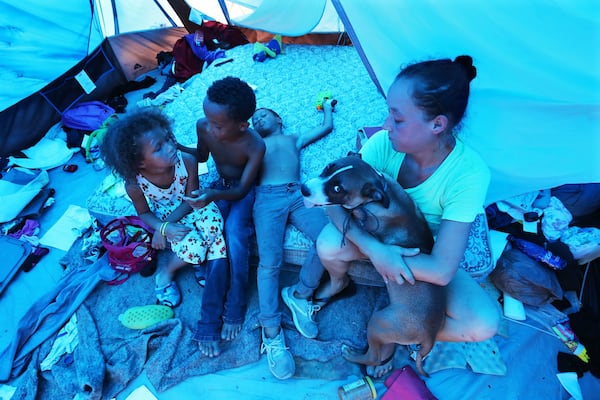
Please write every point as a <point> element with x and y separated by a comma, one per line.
<point>389,262</point>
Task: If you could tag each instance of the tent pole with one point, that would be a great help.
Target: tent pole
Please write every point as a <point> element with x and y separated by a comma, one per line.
<point>356,42</point>
<point>225,11</point>
<point>165,13</point>
<point>115,17</point>
<point>183,11</point>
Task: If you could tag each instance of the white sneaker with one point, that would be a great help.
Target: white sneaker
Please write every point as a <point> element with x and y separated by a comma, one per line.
<point>281,362</point>
<point>302,313</point>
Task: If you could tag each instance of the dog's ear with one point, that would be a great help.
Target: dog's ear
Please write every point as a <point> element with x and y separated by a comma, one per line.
<point>376,193</point>
<point>354,153</point>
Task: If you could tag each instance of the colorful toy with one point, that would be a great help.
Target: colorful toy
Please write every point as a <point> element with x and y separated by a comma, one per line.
<point>271,49</point>
<point>323,96</point>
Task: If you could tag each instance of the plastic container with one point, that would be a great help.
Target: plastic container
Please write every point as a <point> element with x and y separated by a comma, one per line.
<point>362,389</point>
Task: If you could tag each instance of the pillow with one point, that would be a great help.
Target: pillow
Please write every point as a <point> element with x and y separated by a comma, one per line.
<point>477,260</point>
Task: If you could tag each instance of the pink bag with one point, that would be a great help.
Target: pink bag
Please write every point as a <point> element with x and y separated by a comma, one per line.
<point>128,241</point>
<point>405,384</point>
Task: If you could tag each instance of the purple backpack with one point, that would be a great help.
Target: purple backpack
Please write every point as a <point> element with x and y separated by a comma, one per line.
<point>87,116</point>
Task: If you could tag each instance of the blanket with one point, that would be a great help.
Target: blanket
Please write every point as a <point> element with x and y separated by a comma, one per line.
<point>109,356</point>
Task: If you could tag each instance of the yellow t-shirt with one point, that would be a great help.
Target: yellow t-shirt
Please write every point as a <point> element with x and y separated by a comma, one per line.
<point>455,191</point>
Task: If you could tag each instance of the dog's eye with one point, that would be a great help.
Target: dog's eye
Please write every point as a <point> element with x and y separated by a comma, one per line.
<point>337,189</point>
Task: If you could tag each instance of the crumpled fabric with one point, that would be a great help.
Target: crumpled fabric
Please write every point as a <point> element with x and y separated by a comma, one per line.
<point>556,219</point>
<point>47,315</point>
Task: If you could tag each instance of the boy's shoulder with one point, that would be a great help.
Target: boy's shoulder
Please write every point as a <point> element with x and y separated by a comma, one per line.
<point>253,139</point>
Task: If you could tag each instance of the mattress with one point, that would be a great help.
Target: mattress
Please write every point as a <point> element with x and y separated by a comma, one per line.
<point>290,84</point>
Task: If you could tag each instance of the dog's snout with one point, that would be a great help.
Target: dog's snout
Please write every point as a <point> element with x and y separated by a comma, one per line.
<point>305,190</point>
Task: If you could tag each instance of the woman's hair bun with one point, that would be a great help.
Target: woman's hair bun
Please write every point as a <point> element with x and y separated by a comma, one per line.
<point>467,63</point>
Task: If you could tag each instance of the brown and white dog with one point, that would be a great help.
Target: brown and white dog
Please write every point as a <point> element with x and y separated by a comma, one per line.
<point>381,207</point>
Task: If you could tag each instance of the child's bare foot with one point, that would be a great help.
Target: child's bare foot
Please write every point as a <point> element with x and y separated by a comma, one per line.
<point>210,348</point>
<point>230,331</point>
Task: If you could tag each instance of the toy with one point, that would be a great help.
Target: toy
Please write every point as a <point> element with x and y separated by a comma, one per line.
<point>271,49</point>
<point>323,96</point>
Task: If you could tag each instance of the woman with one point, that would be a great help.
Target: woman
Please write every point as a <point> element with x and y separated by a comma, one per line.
<point>447,180</point>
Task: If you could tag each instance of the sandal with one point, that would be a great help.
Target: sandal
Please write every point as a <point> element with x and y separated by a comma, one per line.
<point>144,316</point>
<point>381,370</point>
<point>200,274</point>
<point>168,295</point>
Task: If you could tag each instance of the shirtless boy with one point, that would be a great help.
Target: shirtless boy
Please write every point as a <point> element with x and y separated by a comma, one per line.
<point>237,151</point>
<point>278,200</point>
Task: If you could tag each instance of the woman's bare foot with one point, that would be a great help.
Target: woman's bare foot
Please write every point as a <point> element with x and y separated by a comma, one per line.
<point>230,331</point>
<point>209,348</point>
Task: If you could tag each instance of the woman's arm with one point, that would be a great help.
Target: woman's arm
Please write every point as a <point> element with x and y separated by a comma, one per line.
<point>399,264</point>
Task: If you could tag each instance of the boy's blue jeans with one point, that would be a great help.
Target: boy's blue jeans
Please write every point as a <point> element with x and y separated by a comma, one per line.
<point>239,227</point>
<point>213,299</point>
<point>275,206</point>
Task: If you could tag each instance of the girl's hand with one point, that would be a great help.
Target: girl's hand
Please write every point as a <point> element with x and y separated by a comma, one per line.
<point>175,232</point>
<point>199,199</point>
<point>388,261</point>
<point>159,242</point>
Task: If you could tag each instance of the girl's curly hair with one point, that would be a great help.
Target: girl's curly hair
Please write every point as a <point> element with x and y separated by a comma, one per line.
<point>121,147</point>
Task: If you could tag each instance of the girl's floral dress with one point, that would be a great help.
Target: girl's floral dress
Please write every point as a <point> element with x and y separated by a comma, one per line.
<point>205,241</point>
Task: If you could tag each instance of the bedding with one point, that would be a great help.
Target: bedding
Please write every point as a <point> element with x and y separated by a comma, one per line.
<point>289,84</point>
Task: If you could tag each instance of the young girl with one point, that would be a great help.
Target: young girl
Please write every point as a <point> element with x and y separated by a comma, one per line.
<point>142,149</point>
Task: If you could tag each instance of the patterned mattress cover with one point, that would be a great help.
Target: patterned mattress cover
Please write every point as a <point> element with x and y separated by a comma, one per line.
<point>290,84</point>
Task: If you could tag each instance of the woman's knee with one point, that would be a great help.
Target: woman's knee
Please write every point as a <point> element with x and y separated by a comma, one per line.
<point>474,310</point>
<point>484,322</point>
<point>328,243</point>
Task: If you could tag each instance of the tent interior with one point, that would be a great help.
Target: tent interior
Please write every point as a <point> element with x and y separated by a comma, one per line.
<point>534,116</point>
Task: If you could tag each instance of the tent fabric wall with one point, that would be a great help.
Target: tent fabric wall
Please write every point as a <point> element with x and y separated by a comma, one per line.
<point>45,44</point>
<point>136,52</point>
<point>38,43</point>
<point>535,109</point>
<point>277,16</point>
<point>534,114</point>
<point>24,123</point>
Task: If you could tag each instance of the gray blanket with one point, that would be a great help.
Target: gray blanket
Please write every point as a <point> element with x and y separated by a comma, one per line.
<point>109,355</point>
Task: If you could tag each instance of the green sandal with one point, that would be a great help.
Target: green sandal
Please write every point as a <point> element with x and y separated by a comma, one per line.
<point>144,316</point>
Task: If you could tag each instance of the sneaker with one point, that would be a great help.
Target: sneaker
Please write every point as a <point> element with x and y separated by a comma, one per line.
<point>281,362</point>
<point>302,313</point>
